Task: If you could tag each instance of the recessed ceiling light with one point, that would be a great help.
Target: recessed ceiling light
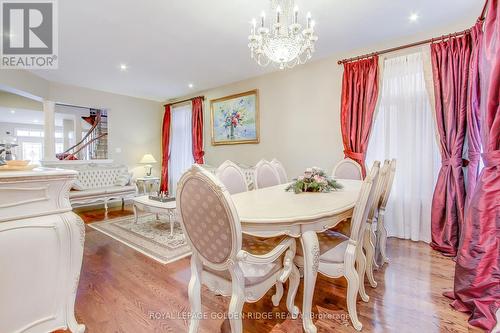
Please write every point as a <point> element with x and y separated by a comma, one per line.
<point>35,120</point>
<point>123,67</point>
<point>413,17</point>
<point>190,85</point>
<point>12,111</point>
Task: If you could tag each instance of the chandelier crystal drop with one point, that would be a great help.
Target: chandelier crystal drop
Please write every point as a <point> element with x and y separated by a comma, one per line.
<point>284,41</point>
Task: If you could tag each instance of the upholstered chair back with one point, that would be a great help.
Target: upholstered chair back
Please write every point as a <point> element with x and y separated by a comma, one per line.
<point>363,205</point>
<point>281,170</point>
<point>91,177</point>
<point>232,177</point>
<point>265,175</point>
<point>379,189</point>
<point>388,183</point>
<point>208,218</point>
<point>347,169</point>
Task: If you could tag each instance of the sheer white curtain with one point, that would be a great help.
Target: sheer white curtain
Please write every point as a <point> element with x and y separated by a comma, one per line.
<point>181,147</point>
<point>404,130</point>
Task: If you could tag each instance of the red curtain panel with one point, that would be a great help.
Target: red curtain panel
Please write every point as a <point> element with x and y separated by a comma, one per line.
<point>197,124</point>
<point>450,69</point>
<point>477,272</point>
<point>359,98</point>
<point>473,112</point>
<point>165,148</point>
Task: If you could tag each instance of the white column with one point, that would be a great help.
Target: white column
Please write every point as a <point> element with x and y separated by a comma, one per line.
<point>49,142</point>
<point>78,129</point>
<point>68,127</point>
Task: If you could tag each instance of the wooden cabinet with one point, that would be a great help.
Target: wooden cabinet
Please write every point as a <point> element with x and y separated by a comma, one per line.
<point>41,249</point>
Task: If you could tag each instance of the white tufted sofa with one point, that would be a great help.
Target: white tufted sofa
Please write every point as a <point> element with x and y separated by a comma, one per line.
<point>99,183</point>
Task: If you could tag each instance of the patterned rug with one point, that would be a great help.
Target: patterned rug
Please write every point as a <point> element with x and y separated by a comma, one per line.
<point>149,236</point>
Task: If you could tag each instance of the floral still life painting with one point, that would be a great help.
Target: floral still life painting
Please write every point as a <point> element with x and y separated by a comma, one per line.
<point>235,119</point>
<point>314,180</point>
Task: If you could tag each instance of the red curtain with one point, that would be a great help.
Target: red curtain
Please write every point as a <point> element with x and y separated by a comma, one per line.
<point>165,148</point>
<point>450,69</point>
<point>359,98</point>
<point>197,125</point>
<point>473,112</point>
<point>477,272</point>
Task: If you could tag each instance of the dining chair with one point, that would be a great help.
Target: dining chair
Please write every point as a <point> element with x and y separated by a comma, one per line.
<point>370,239</point>
<point>233,178</point>
<point>227,262</point>
<point>281,171</point>
<point>265,175</point>
<point>381,245</point>
<point>341,255</point>
<point>347,169</point>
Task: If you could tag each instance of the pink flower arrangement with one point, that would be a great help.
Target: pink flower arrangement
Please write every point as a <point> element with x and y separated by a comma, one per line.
<point>314,180</point>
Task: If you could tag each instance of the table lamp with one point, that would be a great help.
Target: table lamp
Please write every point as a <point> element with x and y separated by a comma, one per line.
<point>148,159</point>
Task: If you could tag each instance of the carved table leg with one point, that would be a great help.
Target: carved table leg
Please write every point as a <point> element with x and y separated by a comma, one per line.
<point>172,221</point>
<point>136,215</point>
<point>310,248</point>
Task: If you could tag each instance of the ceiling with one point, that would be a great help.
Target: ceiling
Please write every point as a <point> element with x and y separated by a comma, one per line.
<point>35,117</point>
<point>168,44</point>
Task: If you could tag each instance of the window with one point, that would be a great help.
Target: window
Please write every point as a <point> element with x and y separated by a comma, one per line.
<point>35,133</point>
<point>59,148</point>
<point>404,130</point>
<point>181,148</point>
<point>32,151</point>
<point>29,132</point>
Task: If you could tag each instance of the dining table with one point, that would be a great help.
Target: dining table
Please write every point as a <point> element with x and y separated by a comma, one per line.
<point>273,211</point>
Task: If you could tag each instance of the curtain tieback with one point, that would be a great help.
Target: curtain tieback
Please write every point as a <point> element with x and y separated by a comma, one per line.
<point>473,156</point>
<point>491,158</point>
<point>456,162</point>
<point>354,156</point>
<point>199,155</point>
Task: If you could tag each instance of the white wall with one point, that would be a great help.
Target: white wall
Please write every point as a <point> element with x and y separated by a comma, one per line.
<point>299,111</point>
<point>134,124</point>
<point>299,122</point>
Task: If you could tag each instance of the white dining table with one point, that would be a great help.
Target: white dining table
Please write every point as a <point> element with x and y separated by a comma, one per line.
<point>272,211</point>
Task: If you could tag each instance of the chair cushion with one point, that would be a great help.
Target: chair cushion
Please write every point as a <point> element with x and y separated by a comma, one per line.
<point>255,273</point>
<point>86,193</point>
<point>332,246</point>
<point>258,245</point>
<point>101,191</point>
<point>118,189</point>
<point>343,227</point>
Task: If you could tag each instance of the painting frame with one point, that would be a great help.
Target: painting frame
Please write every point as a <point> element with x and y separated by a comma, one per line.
<point>213,102</point>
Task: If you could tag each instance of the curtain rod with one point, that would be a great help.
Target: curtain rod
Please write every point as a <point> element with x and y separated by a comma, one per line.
<point>427,41</point>
<point>185,100</point>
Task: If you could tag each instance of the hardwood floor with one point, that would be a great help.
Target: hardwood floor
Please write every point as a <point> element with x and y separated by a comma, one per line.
<point>122,290</point>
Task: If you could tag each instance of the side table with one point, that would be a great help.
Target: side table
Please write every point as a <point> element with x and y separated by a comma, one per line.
<point>147,185</point>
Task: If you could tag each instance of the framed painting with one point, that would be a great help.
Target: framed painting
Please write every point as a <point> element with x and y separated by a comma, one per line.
<point>235,119</point>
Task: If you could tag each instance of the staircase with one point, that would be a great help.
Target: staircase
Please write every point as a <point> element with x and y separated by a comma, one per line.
<point>94,144</point>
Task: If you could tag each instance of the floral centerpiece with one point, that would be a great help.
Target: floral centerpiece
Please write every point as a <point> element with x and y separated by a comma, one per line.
<point>314,180</point>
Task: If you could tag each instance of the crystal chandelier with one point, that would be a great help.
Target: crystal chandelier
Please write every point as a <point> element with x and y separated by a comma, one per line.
<point>285,41</point>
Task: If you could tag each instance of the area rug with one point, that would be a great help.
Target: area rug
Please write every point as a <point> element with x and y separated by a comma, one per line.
<point>149,236</point>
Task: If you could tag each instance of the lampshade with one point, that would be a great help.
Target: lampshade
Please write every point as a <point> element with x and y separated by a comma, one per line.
<point>147,159</point>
